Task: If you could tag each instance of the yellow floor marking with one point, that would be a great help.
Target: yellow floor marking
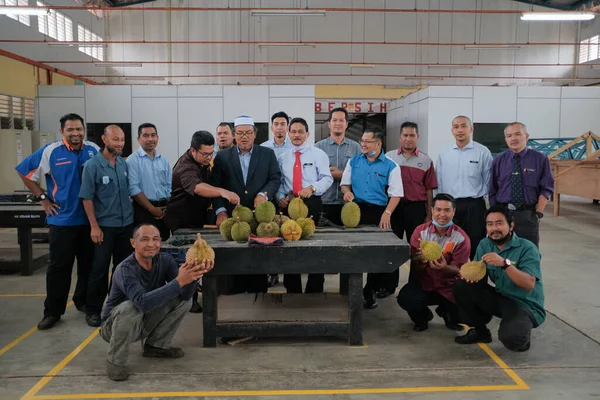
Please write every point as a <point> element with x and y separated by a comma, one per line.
<point>27,295</point>
<point>54,371</point>
<point>23,336</point>
<point>505,368</point>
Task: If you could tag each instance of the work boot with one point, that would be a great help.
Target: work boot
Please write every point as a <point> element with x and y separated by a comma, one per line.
<point>171,352</point>
<point>475,336</point>
<point>116,372</point>
<point>47,322</point>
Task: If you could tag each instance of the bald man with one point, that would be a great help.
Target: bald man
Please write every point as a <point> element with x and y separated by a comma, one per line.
<point>105,195</point>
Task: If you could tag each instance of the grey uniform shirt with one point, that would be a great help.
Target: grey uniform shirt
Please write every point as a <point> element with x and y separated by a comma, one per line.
<point>339,155</point>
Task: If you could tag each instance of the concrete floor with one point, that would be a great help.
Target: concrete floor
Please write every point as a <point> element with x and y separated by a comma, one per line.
<point>564,361</point>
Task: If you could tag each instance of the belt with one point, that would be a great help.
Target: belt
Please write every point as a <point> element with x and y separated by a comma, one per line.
<point>469,198</point>
<point>523,207</point>
<point>412,201</point>
<point>159,203</point>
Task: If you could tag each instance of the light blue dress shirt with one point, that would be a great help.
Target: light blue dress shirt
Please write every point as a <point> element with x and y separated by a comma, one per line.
<point>151,176</point>
<point>464,172</point>
<point>315,170</point>
<point>278,149</point>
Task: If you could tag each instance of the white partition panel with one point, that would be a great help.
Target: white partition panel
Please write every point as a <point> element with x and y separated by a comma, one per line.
<point>196,114</point>
<point>108,104</point>
<point>303,107</point>
<point>542,117</point>
<point>441,113</point>
<point>246,100</point>
<point>578,116</point>
<point>51,109</point>
<point>161,112</point>
<point>494,104</point>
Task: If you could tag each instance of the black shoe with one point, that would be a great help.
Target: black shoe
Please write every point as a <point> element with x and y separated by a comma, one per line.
<point>47,322</point>
<point>171,352</point>
<point>475,336</point>
<point>273,280</point>
<point>423,325</point>
<point>196,308</point>
<point>93,320</point>
<point>383,293</point>
<point>81,308</point>
<point>450,324</point>
<point>370,301</point>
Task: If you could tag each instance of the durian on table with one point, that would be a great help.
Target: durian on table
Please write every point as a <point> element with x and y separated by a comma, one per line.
<point>350,215</point>
<point>200,251</point>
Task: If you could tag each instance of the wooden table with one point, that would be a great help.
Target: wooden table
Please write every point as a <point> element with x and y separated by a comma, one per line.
<point>330,250</point>
<point>24,217</point>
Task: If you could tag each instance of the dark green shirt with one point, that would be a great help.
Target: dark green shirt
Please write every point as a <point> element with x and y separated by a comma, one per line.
<point>525,257</point>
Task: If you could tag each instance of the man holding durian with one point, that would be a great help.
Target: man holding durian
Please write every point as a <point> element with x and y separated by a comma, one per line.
<point>513,264</point>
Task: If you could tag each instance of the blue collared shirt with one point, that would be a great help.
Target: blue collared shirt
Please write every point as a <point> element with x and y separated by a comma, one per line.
<point>151,176</point>
<point>278,149</point>
<point>339,154</point>
<point>315,170</point>
<point>369,179</point>
<point>464,172</point>
<point>108,188</point>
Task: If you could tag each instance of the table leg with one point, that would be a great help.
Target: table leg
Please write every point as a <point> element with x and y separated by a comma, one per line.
<point>344,283</point>
<point>26,250</point>
<point>210,310</point>
<point>355,309</point>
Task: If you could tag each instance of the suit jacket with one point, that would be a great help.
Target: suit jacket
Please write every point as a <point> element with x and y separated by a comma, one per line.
<point>263,176</point>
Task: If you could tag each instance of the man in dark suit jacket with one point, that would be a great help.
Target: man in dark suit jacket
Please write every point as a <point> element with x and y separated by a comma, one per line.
<point>252,172</point>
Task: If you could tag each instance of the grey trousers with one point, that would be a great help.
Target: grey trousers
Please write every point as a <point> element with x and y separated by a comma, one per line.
<point>126,325</point>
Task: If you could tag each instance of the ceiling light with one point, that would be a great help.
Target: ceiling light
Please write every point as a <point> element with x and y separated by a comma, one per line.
<point>558,16</point>
<point>144,78</point>
<point>491,47</point>
<point>362,65</point>
<point>24,11</point>
<point>291,64</point>
<point>455,66</point>
<point>290,12</point>
<point>261,45</point>
<point>424,79</point>
<point>117,64</point>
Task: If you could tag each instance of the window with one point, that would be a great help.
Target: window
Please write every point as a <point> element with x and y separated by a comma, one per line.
<point>24,19</point>
<point>95,50</point>
<point>589,49</point>
<point>56,25</point>
<point>16,112</point>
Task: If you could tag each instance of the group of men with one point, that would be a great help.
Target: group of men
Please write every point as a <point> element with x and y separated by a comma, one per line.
<point>95,198</point>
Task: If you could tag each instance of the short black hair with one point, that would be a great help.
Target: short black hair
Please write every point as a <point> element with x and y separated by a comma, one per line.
<point>140,226</point>
<point>338,109</point>
<point>299,120</point>
<point>70,117</point>
<point>377,133</point>
<point>201,138</point>
<point>500,210</point>
<point>409,124</point>
<point>280,114</point>
<point>146,125</point>
<point>444,197</point>
<point>227,124</point>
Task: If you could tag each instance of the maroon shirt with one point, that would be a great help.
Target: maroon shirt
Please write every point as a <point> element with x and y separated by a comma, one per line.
<point>418,174</point>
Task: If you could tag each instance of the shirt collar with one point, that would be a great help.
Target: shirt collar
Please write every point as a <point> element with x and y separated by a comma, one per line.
<point>431,229</point>
<point>416,153</point>
<point>469,145</point>
<point>285,143</point>
<point>142,153</point>
<point>514,241</point>
<point>331,141</point>
<point>104,162</point>
<point>240,153</point>
<point>522,153</point>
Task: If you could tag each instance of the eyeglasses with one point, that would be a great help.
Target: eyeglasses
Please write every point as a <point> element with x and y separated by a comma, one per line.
<point>244,134</point>
<point>368,141</point>
<point>205,155</point>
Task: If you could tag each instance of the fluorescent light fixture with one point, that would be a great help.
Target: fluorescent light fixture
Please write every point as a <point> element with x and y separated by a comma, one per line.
<point>285,77</point>
<point>141,78</point>
<point>362,65</point>
<point>117,64</point>
<point>261,45</point>
<point>291,64</point>
<point>558,16</point>
<point>454,66</point>
<point>24,11</point>
<point>424,79</point>
<point>491,47</point>
<point>71,44</point>
<point>284,12</point>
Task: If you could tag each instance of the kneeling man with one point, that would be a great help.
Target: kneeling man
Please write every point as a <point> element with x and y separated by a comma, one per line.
<point>513,264</point>
<point>149,297</point>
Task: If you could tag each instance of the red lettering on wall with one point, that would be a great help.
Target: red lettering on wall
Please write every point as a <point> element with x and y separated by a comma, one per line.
<point>344,105</point>
<point>382,107</point>
<point>357,107</point>
<point>331,105</point>
<point>370,107</point>
<point>317,107</point>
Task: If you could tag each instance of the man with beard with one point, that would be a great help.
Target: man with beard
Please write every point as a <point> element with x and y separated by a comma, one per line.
<point>105,194</point>
<point>340,150</point>
<point>60,164</point>
<point>513,265</point>
<point>279,126</point>
<point>431,282</point>
<point>149,181</point>
<point>305,174</point>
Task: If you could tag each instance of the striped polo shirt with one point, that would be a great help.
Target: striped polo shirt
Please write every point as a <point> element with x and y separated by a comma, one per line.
<point>418,174</point>
<point>456,248</point>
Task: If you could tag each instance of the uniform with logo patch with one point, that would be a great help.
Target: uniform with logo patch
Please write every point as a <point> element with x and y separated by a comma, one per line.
<point>69,230</point>
<point>429,286</point>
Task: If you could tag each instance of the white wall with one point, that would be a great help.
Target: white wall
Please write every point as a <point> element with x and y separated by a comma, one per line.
<point>548,112</point>
<point>177,111</point>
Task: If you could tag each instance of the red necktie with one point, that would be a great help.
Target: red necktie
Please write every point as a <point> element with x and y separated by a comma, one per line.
<point>297,181</point>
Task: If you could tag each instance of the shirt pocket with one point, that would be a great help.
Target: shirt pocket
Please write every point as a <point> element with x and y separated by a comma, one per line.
<point>309,172</point>
<point>106,187</point>
<point>531,178</point>
<point>162,175</point>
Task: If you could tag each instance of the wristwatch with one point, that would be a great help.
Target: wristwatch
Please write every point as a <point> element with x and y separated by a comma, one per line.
<point>41,197</point>
<point>507,263</point>
<point>540,215</point>
<point>314,188</point>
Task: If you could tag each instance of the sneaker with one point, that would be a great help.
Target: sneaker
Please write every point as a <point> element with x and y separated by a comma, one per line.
<point>116,372</point>
<point>47,322</point>
<point>475,336</point>
<point>171,352</point>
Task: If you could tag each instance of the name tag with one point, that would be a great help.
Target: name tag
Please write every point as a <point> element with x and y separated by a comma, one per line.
<point>530,169</point>
<point>474,162</point>
<point>105,180</point>
<point>307,165</point>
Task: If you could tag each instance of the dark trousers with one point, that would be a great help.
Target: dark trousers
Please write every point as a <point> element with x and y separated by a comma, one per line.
<point>527,225</point>
<point>415,301</point>
<point>143,216</point>
<point>333,212</point>
<point>405,219</point>
<point>479,302</point>
<point>470,216</point>
<point>293,282</point>
<point>370,214</point>
<point>67,243</point>
<point>115,245</point>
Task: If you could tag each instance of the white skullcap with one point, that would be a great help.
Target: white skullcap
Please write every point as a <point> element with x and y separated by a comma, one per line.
<point>243,120</point>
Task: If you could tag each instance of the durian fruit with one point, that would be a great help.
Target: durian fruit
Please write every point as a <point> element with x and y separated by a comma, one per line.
<point>199,251</point>
<point>473,271</point>
<point>297,209</point>
<point>243,213</point>
<point>280,219</point>
<point>307,225</point>
<point>265,212</point>
<point>350,215</point>
<point>253,225</point>
<point>432,251</point>
<point>291,231</point>
<point>225,228</point>
<point>240,231</point>
<point>268,229</point>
